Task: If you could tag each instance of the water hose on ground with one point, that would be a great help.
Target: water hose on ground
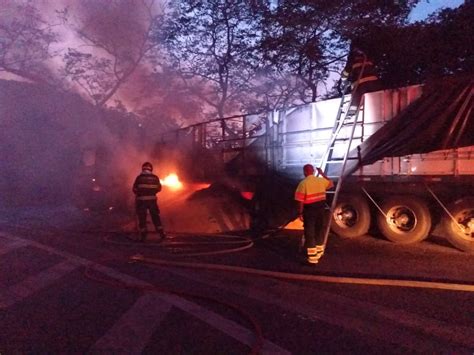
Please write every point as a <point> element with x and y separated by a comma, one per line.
<point>168,244</point>
<point>304,277</point>
<point>309,277</point>
<point>440,285</point>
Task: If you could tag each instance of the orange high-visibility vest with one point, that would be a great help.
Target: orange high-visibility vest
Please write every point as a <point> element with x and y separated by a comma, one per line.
<point>312,189</point>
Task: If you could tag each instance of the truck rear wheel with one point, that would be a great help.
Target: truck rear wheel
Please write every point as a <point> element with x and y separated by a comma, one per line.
<point>461,234</point>
<point>407,219</point>
<point>351,216</point>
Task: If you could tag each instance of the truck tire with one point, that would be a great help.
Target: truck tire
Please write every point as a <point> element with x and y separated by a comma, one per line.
<point>351,216</point>
<point>463,212</point>
<point>407,219</point>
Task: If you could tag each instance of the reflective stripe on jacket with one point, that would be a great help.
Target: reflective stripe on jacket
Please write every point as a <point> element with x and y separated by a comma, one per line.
<point>146,186</point>
<point>364,80</point>
<point>359,66</point>
<point>312,189</point>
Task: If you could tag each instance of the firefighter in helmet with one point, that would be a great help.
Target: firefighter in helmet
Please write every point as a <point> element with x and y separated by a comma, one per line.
<point>311,197</point>
<point>145,188</point>
<point>360,73</point>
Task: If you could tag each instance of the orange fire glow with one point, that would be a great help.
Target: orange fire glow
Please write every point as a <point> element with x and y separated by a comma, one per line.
<point>172,181</point>
<point>201,186</point>
<point>297,224</point>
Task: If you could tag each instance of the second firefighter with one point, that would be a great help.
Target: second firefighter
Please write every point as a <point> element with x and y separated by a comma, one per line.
<point>311,197</point>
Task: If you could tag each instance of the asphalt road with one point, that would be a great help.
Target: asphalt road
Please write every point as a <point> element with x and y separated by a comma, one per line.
<point>68,286</point>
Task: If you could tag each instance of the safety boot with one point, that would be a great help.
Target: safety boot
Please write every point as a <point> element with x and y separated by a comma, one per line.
<point>161,233</point>
<point>319,251</point>
<point>312,257</point>
<point>142,235</point>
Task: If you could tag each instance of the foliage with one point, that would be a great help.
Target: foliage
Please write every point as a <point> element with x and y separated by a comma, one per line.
<point>274,90</point>
<point>213,46</point>
<point>307,37</point>
<point>25,40</point>
<point>452,39</point>
<point>116,36</point>
<point>225,57</point>
<point>443,45</point>
<point>95,75</point>
<point>163,98</point>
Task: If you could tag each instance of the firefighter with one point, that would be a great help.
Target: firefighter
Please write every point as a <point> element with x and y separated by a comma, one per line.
<point>145,188</point>
<point>360,72</point>
<point>311,197</point>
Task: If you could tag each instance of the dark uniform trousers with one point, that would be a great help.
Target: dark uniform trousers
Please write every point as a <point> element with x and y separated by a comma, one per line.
<point>363,88</point>
<point>360,71</point>
<point>142,206</point>
<point>314,220</point>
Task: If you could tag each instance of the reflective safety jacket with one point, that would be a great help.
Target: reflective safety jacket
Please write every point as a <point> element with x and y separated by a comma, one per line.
<point>359,70</point>
<point>146,186</point>
<point>312,189</point>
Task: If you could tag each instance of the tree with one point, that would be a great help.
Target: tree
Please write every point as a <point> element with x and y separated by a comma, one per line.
<point>453,35</point>
<point>428,50</point>
<point>308,38</point>
<point>212,44</point>
<point>116,38</point>
<point>273,90</point>
<point>162,97</point>
<point>25,41</point>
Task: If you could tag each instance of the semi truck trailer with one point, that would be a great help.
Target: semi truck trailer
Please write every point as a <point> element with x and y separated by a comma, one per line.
<point>394,177</point>
<point>403,162</point>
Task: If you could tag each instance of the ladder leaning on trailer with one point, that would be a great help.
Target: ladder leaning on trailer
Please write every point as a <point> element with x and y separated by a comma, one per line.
<point>461,233</point>
<point>347,116</point>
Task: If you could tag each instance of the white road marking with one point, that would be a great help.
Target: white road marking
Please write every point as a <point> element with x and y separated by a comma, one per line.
<point>220,323</point>
<point>348,313</point>
<point>15,293</point>
<point>226,326</point>
<point>8,247</point>
<point>134,329</point>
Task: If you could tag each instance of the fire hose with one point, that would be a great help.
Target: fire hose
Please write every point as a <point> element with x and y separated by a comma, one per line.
<point>90,273</point>
<point>412,283</point>
<point>308,277</point>
<point>170,243</point>
<point>248,243</point>
<point>292,276</point>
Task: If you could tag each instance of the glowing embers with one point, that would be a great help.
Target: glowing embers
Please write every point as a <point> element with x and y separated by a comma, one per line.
<point>172,181</point>
<point>248,195</point>
<point>201,186</point>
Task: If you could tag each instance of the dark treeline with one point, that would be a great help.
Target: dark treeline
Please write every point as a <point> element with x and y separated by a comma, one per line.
<point>181,62</point>
<point>89,85</point>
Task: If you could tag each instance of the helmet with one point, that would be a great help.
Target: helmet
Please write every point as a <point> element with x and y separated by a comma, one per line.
<point>147,166</point>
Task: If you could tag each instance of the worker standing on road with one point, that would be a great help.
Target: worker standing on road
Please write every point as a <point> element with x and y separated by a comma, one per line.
<point>145,188</point>
<point>311,197</point>
<point>360,72</point>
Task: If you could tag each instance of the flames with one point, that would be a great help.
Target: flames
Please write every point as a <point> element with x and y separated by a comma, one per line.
<point>172,181</point>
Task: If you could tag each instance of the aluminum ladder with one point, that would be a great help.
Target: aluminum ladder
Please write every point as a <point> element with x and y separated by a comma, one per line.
<point>347,116</point>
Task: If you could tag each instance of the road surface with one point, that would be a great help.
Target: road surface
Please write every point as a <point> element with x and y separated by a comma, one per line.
<point>72,288</point>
